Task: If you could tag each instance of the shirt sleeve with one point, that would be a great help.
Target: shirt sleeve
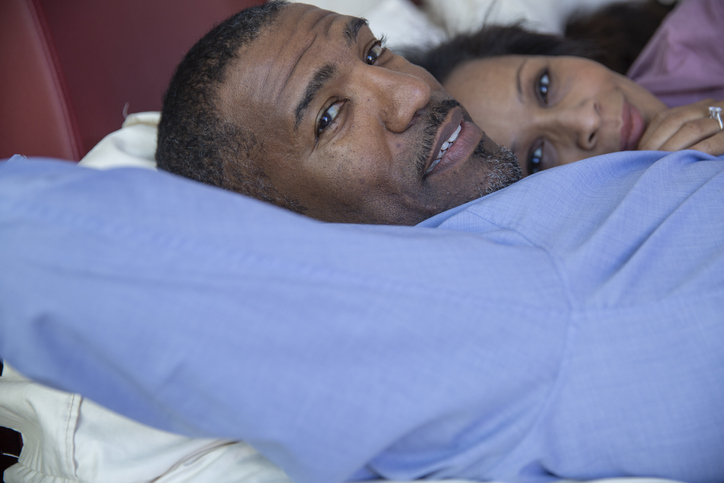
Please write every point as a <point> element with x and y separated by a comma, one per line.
<point>204,312</point>
<point>574,313</point>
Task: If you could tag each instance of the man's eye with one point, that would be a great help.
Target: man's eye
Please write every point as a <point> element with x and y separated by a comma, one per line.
<point>328,117</point>
<point>375,52</point>
<point>535,161</point>
<point>542,86</point>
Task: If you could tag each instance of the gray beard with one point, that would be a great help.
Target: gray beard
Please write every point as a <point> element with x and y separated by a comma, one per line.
<point>503,168</point>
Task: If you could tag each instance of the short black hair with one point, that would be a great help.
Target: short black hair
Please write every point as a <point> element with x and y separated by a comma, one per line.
<point>193,139</point>
<point>494,41</point>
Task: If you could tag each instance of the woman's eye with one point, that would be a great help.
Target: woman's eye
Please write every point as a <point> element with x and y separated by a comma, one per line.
<point>535,161</point>
<point>375,52</point>
<point>328,117</point>
<point>543,85</point>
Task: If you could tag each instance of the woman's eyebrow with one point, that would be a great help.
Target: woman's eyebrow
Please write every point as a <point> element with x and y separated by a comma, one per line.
<point>519,86</point>
<point>519,83</point>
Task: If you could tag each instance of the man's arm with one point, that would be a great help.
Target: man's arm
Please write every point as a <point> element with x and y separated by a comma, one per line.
<point>204,312</point>
<point>575,313</point>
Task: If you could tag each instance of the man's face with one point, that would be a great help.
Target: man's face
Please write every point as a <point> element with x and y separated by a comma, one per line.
<point>352,132</point>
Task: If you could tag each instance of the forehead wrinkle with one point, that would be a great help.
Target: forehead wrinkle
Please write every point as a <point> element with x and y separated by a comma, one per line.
<point>306,43</point>
<point>313,39</point>
<point>320,78</point>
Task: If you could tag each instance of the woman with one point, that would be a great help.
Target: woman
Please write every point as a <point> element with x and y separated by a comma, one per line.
<point>541,96</point>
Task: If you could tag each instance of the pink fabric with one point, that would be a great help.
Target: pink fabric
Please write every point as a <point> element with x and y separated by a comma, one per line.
<point>684,61</point>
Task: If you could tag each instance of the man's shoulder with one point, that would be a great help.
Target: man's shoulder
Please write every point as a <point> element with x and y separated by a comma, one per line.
<point>587,190</point>
<point>611,214</point>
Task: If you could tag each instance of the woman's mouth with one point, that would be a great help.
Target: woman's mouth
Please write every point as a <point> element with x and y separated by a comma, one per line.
<point>632,127</point>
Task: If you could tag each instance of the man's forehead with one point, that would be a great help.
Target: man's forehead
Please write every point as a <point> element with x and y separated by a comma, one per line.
<point>274,70</point>
<point>301,27</point>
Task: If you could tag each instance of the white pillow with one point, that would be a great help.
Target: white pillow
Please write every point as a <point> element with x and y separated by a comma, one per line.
<point>132,145</point>
<point>547,16</point>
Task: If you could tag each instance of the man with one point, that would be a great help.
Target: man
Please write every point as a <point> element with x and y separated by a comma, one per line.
<point>571,331</point>
<point>336,127</point>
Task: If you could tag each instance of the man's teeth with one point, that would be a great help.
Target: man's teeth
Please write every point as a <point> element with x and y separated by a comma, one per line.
<point>444,148</point>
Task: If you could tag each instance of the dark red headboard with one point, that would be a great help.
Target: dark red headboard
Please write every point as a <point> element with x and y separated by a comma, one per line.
<point>68,68</point>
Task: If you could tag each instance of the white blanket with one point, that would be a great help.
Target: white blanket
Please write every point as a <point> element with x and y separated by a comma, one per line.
<point>68,438</point>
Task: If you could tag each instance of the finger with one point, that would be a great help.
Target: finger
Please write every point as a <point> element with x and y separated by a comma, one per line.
<point>691,133</point>
<point>712,145</point>
<point>667,123</point>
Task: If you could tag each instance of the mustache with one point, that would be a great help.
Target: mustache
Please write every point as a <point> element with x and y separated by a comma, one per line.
<point>436,114</point>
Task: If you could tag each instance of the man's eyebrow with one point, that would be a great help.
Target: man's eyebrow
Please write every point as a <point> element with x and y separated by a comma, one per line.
<point>351,31</point>
<point>320,78</point>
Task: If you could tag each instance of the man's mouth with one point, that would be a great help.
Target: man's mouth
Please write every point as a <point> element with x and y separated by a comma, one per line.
<point>444,148</point>
<point>446,137</point>
<point>455,142</point>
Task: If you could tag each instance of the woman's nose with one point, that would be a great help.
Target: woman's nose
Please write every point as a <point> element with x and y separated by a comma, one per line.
<point>582,122</point>
<point>397,96</point>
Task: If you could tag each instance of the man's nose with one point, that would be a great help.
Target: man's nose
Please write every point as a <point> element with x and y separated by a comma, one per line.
<point>583,121</point>
<point>397,96</point>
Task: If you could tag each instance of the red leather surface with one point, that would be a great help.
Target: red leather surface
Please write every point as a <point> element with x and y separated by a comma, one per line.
<point>98,56</point>
<point>34,116</point>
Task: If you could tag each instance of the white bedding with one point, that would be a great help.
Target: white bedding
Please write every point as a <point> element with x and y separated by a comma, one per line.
<point>404,24</point>
<point>71,439</point>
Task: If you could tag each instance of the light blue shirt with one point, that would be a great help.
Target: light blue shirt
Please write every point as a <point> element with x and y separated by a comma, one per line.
<point>569,326</point>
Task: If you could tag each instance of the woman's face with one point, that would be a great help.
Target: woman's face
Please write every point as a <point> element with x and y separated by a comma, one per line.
<point>553,110</point>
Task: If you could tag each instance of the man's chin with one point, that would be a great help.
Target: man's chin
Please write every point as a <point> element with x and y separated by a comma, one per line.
<point>484,173</point>
<point>502,168</point>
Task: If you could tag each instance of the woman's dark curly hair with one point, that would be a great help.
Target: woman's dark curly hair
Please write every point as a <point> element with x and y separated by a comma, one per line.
<point>613,36</point>
<point>495,41</point>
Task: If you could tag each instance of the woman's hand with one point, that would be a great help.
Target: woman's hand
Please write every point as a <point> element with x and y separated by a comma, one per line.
<point>685,127</point>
